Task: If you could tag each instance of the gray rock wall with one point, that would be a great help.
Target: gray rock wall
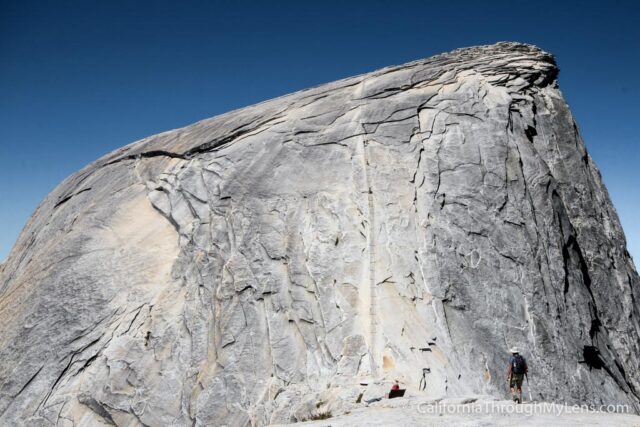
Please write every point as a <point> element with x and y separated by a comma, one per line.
<point>255,267</point>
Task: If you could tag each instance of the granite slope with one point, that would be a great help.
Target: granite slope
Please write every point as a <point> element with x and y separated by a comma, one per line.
<point>260,266</point>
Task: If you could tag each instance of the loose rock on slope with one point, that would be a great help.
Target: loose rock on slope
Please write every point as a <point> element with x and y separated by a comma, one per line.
<point>256,266</point>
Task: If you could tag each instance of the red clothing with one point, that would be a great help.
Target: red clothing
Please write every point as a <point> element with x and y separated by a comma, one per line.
<point>395,387</point>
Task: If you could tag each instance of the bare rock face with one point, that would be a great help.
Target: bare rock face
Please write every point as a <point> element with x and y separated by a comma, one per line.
<point>257,267</point>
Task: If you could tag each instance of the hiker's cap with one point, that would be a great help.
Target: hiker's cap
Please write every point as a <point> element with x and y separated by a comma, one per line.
<point>514,350</point>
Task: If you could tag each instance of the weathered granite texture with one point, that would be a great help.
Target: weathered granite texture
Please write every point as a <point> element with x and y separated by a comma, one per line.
<point>257,266</point>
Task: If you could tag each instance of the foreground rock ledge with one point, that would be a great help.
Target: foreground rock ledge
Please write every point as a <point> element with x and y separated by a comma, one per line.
<point>478,413</point>
<point>292,258</point>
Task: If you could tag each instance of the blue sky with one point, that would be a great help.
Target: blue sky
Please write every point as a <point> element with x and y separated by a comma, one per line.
<point>81,78</point>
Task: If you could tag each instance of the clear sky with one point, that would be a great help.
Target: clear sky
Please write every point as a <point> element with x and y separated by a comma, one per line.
<point>81,78</point>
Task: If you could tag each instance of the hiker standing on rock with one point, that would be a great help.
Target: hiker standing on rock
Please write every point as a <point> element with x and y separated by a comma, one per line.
<point>516,371</point>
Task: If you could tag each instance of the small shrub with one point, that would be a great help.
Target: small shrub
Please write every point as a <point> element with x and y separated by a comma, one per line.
<point>320,416</point>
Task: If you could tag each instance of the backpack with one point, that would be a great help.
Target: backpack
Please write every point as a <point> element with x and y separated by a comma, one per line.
<point>518,365</point>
